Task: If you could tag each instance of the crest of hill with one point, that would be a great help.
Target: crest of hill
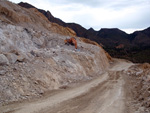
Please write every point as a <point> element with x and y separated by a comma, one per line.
<point>14,14</point>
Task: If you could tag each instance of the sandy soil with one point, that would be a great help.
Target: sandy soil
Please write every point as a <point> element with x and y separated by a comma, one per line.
<point>105,94</point>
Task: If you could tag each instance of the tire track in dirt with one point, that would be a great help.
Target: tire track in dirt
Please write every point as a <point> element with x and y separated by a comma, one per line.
<point>104,94</point>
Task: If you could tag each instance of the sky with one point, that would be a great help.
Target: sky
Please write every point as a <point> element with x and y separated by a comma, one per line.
<point>127,15</point>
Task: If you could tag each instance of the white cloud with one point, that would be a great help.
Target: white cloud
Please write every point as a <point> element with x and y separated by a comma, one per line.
<point>123,14</point>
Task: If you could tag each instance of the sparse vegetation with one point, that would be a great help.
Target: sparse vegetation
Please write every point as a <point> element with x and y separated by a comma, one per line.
<point>136,54</point>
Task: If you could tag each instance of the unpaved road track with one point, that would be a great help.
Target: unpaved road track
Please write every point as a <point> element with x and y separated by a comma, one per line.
<point>105,94</point>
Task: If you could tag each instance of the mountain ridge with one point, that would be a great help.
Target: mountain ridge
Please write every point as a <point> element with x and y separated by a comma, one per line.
<point>40,73</point>
<point>133,45</point>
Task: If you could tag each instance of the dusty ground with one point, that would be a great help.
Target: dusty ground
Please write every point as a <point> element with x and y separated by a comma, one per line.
<point>105,94</point>
<point>34,60</point>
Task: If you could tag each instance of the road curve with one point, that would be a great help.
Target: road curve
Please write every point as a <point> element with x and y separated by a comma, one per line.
<point>104,94</point>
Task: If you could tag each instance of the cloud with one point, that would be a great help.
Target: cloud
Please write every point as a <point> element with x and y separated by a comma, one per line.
<point>123,14</point>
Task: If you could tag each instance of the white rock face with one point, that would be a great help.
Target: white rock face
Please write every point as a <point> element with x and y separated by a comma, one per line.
<point>34,60</point>
<point>39,64</point>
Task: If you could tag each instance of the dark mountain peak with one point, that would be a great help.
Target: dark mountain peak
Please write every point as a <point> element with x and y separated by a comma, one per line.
<point>116,30</point>
<point>144,37</point>
<point>75,24</point>
<point>91,29</point>
<point>112,32</point>
<point>147,31</point>
<point>148,28</point>
<point>26,5</point>
<point>109,29</point>
<point>49,13</point>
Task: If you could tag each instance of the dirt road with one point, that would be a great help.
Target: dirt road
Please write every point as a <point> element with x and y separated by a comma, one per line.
<point>104,94</point>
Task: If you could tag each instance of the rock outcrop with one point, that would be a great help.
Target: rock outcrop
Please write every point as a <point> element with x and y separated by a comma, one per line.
<point>34,58</point>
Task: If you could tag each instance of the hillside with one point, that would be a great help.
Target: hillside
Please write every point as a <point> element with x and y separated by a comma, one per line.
<point>39,73</point>
<point>134,47</point>
<point>34,58</point>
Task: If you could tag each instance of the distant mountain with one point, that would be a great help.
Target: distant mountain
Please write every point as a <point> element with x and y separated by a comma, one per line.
<point>135,46</point>
<point>141,38</point>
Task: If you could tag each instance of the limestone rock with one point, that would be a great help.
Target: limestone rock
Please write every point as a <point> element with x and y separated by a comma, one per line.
<point>11,57</point>
<point>2,72</point>
<point>21,58</point>
<point>3,60</point>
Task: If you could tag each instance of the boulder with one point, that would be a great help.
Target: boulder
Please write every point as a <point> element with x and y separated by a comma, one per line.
<point>2,72</point>
<point>3,60</point>
<point>21,58</point>
<point>11,57</point>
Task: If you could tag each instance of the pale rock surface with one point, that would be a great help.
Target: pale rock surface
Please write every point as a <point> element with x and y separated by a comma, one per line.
<point>39,59</point>
<point>12,58</point>
<point>3,60</point>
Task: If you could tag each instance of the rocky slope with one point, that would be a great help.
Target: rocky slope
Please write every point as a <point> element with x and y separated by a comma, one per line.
<point>134,47</point>
<point>139,87</point>
<point>34,58</point>
<point>13,14</point>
